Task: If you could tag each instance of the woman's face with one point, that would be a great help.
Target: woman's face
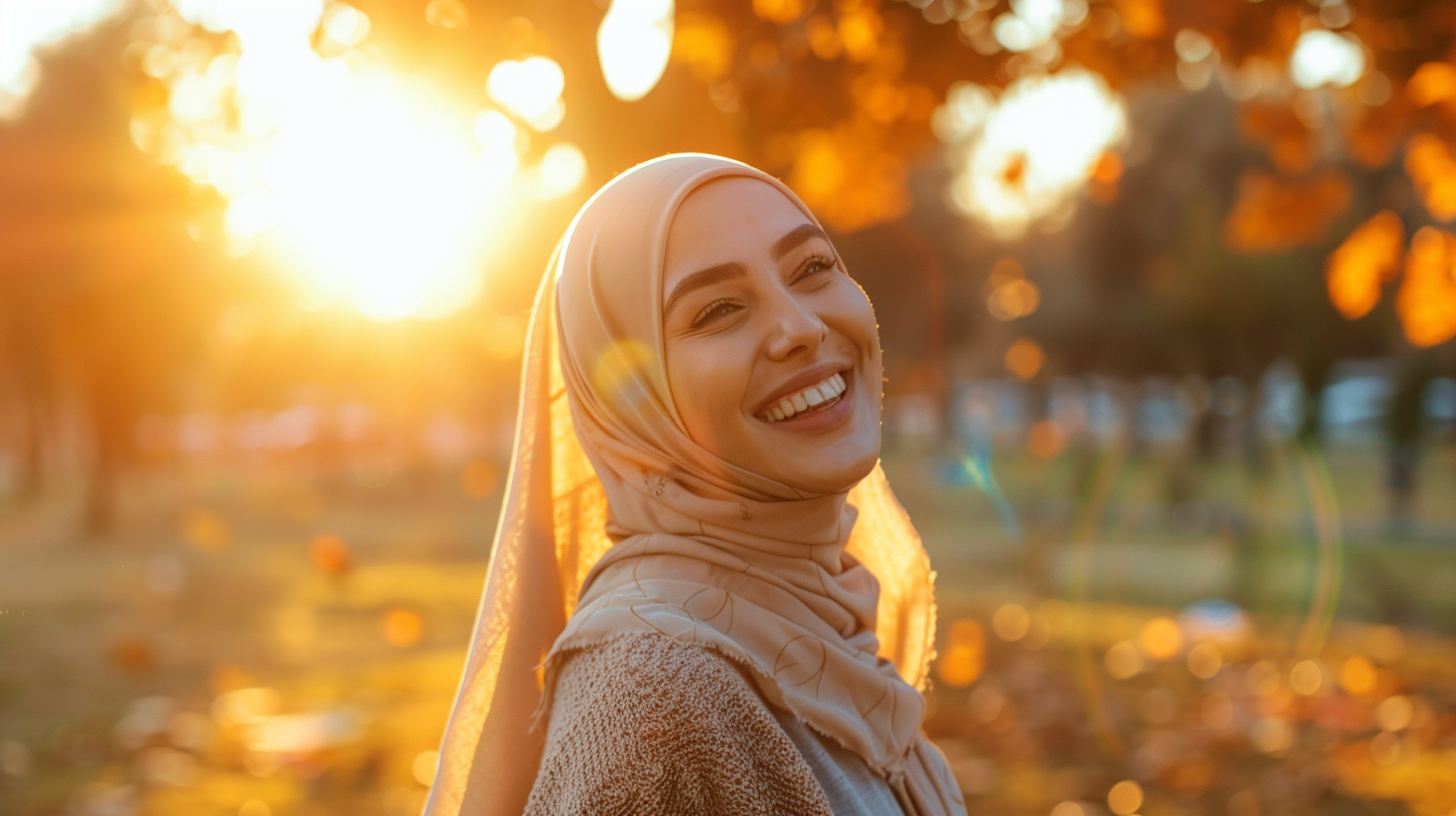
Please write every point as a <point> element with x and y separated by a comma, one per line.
<point>773,354</point>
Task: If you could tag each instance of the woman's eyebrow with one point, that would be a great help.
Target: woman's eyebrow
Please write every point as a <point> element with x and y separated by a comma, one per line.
<point>793,238</point>
<point>701,278</point>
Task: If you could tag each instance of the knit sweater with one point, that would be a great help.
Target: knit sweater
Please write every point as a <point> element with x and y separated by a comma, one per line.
<point>649,726</point>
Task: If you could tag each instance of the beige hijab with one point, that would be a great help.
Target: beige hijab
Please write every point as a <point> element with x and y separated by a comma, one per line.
<point>616,522</point>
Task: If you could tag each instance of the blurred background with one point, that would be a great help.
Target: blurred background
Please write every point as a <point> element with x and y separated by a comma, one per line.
<point>1167,291</point>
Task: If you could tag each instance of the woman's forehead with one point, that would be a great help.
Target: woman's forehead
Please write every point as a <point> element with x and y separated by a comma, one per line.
<point>734,219</point>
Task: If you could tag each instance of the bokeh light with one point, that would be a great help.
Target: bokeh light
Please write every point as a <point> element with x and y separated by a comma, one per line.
<point>633,44</point>
<point>963,657</point>
<point>1366,260</point>
<point>1426,301</point>
<point>531,89</point>
<point>27,26</point>
<point>1022,158</point>
<point>1325,58</point>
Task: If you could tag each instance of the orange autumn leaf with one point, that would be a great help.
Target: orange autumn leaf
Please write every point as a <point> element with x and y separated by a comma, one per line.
<point>1432,169</point>
<point>705,44</point>
<point>1431,83</point>
<point>1369,257</point>
<point>1271,215</point>
<point>1106,172</point>
<point>849,179</point>
<point>1142,18</point>
<point>1426,301</point>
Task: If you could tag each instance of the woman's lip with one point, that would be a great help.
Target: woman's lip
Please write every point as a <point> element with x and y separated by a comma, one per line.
<point>824,417</point>
<point>810,376</point>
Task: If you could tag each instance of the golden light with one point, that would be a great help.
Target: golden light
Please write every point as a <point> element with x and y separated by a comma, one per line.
<point>1125,798</point>
<point>1013,299</point>
<point>1306,677</point>
<point>1011,622</point>
<point>1358,676</point>
<point>479,479</point>
<point>447,14</point>
<point>561,170</point>
<point>1161,638</point>
<point>1431,83</point>
<point>402,628</point>
<point>27,26</point>
<point>1426,302</point>
<point>1204,661</point>
<point>705,43</point>
<point>1325,58</point>
<point>1030,23</point>
<point>1272,735</point>
<point>964,656</point>
<point>1395,713</point>
<point>531,89</point>
<point>1024,359</point>
<point>374,190</point>
<point>778,11</point>
<point>205,530</point>
<point>423,767</point>
<point>1432,169</point>
<point>1025,157</point>
<point>1369,257</point>
<point>1123,660</point>
<point>633,45</point>
<point>1275,215</point>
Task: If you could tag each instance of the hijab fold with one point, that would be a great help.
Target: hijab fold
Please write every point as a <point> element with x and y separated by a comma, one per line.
<point>615,521</point>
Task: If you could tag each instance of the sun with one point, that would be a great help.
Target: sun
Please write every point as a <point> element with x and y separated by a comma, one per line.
<point>371,188</point>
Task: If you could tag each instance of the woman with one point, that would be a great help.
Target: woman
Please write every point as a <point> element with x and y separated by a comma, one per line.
<point>703,596</point>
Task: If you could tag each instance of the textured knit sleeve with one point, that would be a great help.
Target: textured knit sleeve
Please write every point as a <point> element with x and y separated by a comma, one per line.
<point>650,726</point>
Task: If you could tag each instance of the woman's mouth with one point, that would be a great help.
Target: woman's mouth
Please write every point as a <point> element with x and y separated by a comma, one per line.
<point>820,396</point>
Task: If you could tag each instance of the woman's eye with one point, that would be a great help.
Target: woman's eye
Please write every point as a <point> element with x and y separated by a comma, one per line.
<point>814,266</point>
<point>715,310</point>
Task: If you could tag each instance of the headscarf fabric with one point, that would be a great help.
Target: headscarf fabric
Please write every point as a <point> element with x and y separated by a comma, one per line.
<point>615,521</point>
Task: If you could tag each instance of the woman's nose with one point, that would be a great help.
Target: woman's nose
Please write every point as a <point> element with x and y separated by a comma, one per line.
<point>794,328</point>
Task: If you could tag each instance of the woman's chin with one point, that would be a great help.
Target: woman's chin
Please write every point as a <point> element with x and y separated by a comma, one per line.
<point>836,467</point>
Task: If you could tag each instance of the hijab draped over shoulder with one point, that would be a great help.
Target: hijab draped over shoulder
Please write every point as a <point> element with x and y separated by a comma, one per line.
<point>616,522</point>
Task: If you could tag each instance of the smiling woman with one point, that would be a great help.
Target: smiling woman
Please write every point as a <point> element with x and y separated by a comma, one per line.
<point>701,582</point>
<point>772,349</point>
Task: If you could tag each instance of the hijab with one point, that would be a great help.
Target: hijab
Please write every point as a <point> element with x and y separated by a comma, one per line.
<point>616,522</point>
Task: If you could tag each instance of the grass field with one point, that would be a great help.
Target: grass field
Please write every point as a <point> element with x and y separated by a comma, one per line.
<point>254,641</point>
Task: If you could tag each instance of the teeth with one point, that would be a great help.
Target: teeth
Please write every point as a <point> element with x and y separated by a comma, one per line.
<point>817,394</point>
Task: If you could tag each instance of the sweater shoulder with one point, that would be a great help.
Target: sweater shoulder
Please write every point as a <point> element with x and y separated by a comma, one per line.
<point>646,724</point>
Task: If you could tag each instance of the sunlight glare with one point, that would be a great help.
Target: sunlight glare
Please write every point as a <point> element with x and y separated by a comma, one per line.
<point>27,26</point>
<point>375,191</point>
<point>1325,58</point>
<point>1026,157</point>
<point>1029,23</point>
<point>562,169</point>
<point>633,44</point>
<point>529,88</point>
